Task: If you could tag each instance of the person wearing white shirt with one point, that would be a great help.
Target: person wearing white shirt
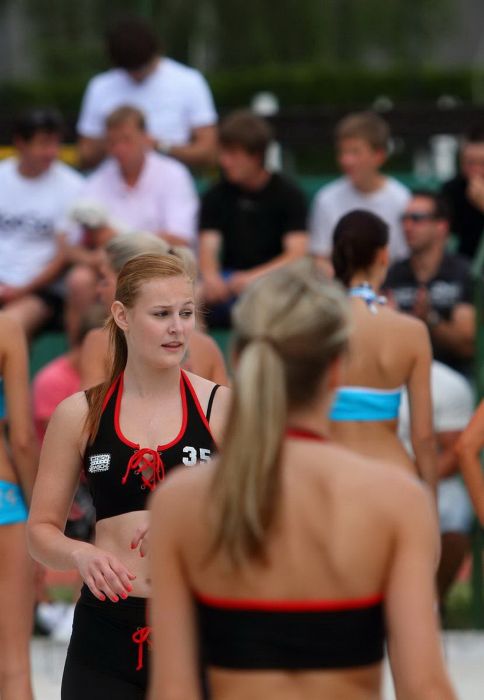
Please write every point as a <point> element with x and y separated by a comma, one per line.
<point>175,98</point>
<point>362,147</point>
<point>453,404</point>
<point>36,192</point>
<point>139,190</point>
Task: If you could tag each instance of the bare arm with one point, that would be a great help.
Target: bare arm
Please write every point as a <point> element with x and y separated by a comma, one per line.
<point>214,288</point>
<point>421,428</point>
<point>93,361</point>
<point>447,461</point>
<point>468,450</point>
<point>174,667</point>
<point>90,151</point>
<point>294,246</point>
<point>202,149</point>
<point>410,602</point>
<point>458,333</point>
<point>57,479</point>
<point>23,442</point>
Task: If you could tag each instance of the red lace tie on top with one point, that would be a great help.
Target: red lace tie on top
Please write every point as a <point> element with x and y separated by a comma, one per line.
<point>140,463</point>
<point>139,637</point>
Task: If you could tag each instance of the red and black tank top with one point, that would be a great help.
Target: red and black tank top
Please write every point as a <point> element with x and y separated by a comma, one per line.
<point>121,474</point>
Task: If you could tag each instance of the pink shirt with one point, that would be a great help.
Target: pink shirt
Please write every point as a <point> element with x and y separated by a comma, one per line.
<point>52,384</point>
<point>163,199</point>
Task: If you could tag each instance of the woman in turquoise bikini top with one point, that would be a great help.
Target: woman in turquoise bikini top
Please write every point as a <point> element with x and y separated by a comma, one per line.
<point>18,464</point>
<point>388,351</point>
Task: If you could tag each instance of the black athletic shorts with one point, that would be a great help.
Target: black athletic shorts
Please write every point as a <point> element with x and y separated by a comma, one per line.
<point>108,654</point>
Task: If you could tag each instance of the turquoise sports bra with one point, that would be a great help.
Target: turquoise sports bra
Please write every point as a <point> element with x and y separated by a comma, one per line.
<point>363,403</point>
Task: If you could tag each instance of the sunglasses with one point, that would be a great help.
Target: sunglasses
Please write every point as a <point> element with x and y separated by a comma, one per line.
<point>417,216</point>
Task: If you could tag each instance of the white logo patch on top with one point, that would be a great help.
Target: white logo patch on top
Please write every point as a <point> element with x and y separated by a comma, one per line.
<point>99,463</point>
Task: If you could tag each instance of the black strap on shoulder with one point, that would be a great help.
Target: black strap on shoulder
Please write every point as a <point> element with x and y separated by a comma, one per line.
<point>210,401</point>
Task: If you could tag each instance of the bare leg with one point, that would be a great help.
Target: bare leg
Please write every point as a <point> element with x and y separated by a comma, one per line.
<point>16,613</point>
<point>30,311</point>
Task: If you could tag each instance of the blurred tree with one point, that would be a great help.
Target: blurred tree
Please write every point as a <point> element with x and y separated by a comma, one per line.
<point>224,34</point>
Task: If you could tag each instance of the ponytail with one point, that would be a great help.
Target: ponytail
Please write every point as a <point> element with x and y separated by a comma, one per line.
<point>247,481</point>
<point>97,394</point>
<point>289,325</point>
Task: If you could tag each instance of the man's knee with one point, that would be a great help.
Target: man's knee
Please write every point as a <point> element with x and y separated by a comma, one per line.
<point>81,283</point>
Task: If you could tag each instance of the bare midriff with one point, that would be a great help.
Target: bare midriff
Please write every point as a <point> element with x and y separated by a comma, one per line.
<point>114,535</point>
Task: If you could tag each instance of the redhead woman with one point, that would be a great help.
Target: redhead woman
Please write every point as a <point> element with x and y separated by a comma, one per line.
<point>126,434</point>
<point>288,560</point>
<point>388,350</point>
<point>18,465</point>
<point>202,357</point>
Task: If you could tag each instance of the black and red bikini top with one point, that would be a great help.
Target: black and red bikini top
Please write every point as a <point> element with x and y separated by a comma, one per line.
<point>291,635</point>
<point>121,474</point>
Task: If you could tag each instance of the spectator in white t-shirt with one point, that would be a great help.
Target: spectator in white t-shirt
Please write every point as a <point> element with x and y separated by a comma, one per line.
<point>139,190</point>
<point>362,141</point>
<point>453,404</point>
<point>36,192</point>
<point>176,99</point>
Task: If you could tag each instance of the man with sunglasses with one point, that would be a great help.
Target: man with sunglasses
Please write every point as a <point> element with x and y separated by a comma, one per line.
<point>434,284</point>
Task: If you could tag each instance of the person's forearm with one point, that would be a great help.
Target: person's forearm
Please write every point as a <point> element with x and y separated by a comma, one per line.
<point>77,255</point>
<point>48,275</point>
<point>196,155</point>
<point>452,337</point>
<point>208,264</point>
<point>426,460</point>
<point>49,546</point>
<point>173,239</point>
<point>471,469</point>
<point>25,454</point>
<point>273,264</point>
<point>90,152</point>
<point>447,464</point>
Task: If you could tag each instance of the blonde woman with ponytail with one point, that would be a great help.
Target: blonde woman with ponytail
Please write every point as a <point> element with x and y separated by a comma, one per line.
<point>203,356</point>
<point>286,562</point>
<point>125,434</point>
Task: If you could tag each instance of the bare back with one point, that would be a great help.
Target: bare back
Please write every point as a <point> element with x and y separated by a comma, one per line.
<point>334,540</point>
<point>388,351</point>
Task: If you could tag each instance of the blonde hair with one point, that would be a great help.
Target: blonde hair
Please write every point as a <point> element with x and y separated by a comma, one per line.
<point>132,276</point>
<point>122,248</point>
<point>289,326</point>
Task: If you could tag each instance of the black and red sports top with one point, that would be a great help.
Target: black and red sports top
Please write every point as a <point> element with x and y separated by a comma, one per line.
<point>121,474</point>
<point>291,635</point>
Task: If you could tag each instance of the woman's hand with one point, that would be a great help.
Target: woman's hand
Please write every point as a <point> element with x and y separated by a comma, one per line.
<point>141,539</point>
<point>103,573</point>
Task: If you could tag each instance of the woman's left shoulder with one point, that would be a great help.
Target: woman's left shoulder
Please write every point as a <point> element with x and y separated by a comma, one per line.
<point>204,389</point>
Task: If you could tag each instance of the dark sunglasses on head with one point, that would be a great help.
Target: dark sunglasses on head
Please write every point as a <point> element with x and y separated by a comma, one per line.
<point>417,216</point>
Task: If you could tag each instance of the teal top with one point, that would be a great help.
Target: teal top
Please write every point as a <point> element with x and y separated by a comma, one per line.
<point>363,403</point>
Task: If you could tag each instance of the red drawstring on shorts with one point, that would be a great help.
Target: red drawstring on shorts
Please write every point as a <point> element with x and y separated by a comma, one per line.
<point>140,637</point>
<point>139,464</point>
